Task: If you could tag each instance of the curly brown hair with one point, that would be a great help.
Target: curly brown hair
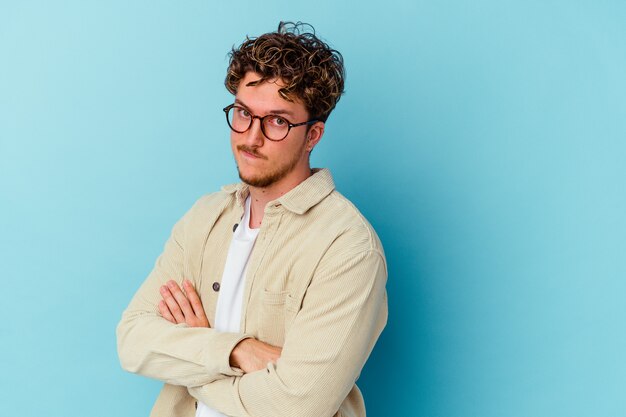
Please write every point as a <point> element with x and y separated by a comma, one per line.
<point>311,71</point>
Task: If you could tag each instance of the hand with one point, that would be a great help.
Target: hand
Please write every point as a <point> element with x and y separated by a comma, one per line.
<point>178,308</point>
<point>253,355</point>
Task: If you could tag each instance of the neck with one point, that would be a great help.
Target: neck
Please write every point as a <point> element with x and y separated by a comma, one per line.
<point>261,196</point>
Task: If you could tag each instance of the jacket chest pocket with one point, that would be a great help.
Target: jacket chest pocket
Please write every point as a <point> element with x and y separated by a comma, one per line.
<point>277,312</point>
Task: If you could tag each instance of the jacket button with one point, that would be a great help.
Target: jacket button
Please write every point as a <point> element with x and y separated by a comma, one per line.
<point>216,286</point>
<point>235,227</point>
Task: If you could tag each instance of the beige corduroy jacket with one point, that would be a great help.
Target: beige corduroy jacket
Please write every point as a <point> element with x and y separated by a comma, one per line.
<point>315,286</point>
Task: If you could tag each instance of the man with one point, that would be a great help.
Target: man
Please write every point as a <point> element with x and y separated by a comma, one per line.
<point>269,295</point>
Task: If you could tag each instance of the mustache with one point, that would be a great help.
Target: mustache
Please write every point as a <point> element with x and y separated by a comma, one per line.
<point>252,151</point>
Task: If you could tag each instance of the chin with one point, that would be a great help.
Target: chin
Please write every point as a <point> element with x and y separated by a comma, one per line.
<point>258,181</point>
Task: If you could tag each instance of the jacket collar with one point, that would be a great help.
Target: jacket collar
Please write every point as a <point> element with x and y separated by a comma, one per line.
<point>300,199</point>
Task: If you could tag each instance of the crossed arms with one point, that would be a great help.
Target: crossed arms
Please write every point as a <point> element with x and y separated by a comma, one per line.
<point>330,338</point>
<point>249,355</point>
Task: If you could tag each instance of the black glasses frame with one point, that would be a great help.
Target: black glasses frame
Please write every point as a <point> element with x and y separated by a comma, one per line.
<point>261,119</point>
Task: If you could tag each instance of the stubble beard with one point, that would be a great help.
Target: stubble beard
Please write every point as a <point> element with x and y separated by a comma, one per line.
<point>272,177</point>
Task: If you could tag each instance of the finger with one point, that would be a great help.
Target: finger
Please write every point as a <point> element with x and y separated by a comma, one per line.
<point>181,299</point>
<point>165,312</point>
<point>192,295</point>
<point>172,304</point>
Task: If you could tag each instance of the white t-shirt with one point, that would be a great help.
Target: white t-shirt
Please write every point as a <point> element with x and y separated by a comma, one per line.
<point>230,299</point>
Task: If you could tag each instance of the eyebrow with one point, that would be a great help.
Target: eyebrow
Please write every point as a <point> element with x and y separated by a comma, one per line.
<point>278,111</point>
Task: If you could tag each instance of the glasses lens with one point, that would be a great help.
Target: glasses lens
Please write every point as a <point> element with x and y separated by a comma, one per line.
<point>275,127</point>
<point>239,119</point>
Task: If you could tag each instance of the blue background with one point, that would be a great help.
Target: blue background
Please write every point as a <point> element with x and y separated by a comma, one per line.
<point>484,141</point>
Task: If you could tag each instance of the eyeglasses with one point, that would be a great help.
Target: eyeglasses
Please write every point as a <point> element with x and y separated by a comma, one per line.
<point>274,127</point>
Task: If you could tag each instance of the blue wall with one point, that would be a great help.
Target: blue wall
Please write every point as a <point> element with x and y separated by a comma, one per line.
<point>484,140</point>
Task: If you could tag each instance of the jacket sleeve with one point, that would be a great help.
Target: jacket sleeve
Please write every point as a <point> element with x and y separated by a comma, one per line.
<point>342,315</point>
<point>177,354</point>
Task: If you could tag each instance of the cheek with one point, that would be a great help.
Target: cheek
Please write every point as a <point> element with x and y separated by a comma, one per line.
<point>234,140</point>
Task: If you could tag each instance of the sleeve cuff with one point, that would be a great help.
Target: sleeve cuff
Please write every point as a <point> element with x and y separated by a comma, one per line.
<point>220,355</point>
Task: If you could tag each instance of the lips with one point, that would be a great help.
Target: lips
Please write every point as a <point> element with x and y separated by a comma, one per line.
<point>250,153</point>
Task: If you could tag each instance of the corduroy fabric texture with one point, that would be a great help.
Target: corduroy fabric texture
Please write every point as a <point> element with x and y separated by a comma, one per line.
<point>315,286</point>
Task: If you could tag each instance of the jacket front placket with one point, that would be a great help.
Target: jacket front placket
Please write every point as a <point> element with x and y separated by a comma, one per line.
<point>213,259</point>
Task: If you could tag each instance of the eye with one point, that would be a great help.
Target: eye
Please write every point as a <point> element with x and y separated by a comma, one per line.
<point>277,121</point>
<point>241,112</point>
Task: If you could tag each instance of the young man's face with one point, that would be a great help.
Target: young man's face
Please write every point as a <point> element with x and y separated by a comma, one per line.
<point>260,161</point>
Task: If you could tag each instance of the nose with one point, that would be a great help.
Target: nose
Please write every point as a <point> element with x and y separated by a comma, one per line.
<point>255,136</point>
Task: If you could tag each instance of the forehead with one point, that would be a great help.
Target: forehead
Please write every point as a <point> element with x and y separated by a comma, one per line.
<point>265,97</point>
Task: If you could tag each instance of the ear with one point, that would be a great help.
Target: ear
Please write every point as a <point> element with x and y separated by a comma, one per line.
<point>316,131</point>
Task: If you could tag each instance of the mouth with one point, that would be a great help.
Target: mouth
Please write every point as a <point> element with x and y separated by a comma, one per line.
<point>250,153</point>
